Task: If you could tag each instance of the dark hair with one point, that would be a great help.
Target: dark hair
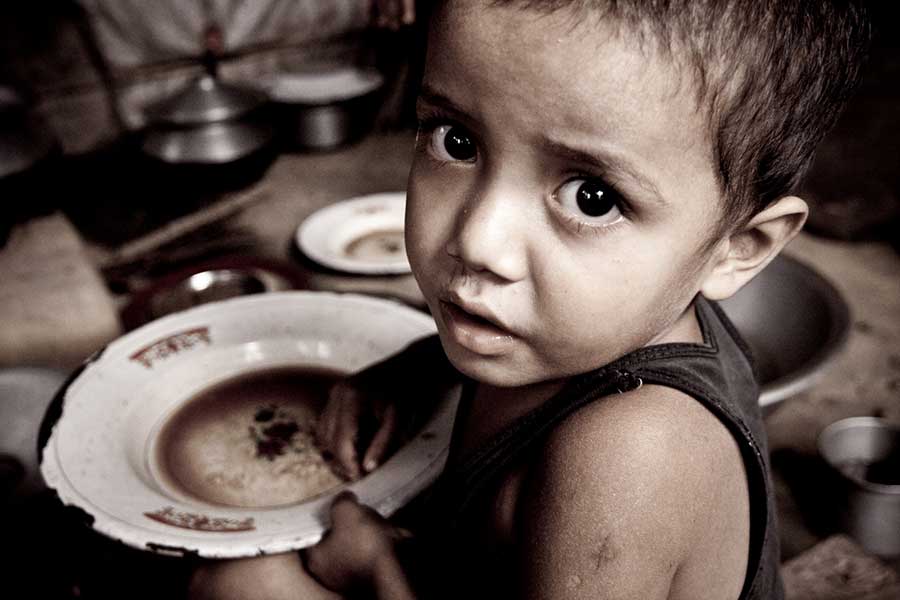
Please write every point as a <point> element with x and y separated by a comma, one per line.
<point>772,74</point>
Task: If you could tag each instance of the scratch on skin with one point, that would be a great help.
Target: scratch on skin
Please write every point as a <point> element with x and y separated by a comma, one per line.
<point>605,553</point>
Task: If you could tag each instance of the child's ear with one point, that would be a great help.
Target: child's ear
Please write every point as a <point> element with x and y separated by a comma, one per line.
<point>747,251</point>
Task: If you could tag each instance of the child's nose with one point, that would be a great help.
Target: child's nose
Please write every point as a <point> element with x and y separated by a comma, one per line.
<point>489,234</point>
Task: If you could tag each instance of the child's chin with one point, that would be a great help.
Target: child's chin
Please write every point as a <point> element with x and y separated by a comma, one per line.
<point>498,371</point>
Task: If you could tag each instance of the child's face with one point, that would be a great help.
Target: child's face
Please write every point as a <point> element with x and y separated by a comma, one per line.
<point>562,189</point>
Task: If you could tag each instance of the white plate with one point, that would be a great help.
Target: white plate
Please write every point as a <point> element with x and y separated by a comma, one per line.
<point>99,455</point>
<point>361,235</point>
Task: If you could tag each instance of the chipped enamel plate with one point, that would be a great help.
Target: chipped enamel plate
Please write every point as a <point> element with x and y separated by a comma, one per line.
<point>99,456</point>
<point>361,235</point>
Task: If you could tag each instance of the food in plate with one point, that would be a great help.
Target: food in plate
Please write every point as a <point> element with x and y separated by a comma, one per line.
<point>249,441</point>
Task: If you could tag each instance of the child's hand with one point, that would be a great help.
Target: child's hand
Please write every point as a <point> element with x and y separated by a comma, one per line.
<point>275,577</point>
<point>348,410</point>
<point>357,550</point>
<point>369,413</point>
<point>392,14</point>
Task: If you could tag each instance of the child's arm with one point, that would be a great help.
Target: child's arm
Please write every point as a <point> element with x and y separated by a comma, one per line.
<point>631,498</point>
<point>634,496</point>
<point>359,553</point>
<point>275,577</point>
<point>368,412</point>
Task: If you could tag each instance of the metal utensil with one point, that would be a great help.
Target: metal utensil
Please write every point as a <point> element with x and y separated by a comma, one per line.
<point>212,143</point>
<point>215,279</point>
<point>795,322</point>
<point>325,110</point>
<point>864,455</point>
<point>209,286</point>
<point>208,121</point>
<point>204,100</point>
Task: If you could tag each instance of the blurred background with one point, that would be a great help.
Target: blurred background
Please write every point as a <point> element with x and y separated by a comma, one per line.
<point>90,74</point>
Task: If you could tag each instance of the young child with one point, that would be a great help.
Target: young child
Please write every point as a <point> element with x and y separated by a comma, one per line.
<point>589,177</point>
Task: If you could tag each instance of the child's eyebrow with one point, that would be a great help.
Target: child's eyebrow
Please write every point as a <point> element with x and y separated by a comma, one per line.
<point>606,162</point>
<point>429,95</point>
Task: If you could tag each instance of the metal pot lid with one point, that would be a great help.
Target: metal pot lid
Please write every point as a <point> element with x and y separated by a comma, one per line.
<point>214,143</point>
<point>206,100</point>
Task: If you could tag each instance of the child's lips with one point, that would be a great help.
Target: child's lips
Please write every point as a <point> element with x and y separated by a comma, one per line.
<point>477,333</point>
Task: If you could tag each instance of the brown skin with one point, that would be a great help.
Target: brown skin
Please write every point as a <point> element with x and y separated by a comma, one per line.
<point>620,504</point>
<point>277,577</point>
<point>372,397</point>
<point>358,553</point>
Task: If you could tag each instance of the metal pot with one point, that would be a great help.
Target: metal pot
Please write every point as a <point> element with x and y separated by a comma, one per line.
<point>208,123</point>
<point>208,144</point>
<point>325,110</point>
<point>864,454</point>
<point>795,322</point>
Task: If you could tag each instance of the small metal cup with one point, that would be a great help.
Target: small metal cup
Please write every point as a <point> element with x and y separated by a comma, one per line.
<point>208,286</point>
<point>864,454</point>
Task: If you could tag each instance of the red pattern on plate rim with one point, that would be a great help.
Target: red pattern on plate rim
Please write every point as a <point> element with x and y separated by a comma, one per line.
<point>163,349</point>
<point>199,522</point>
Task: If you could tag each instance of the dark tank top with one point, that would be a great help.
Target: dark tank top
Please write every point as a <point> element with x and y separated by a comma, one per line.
<point>718,373</point>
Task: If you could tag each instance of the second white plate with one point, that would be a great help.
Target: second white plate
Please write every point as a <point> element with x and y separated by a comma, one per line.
<point>361,235</point>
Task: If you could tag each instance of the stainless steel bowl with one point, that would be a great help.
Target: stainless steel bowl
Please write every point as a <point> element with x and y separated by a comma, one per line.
<point>326,126</point>
<point>216,279</point>
<point>864,455</point>
<point>795,322</point>
<point>210,286</point>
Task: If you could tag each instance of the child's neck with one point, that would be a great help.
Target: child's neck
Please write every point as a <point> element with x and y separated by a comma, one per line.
<point>491,408</point>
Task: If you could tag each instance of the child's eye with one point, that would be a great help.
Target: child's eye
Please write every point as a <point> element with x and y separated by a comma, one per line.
<point>590,201</point>
<point>452,143</point>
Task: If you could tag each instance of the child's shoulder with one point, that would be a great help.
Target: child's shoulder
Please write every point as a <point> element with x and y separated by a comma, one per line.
<point>645,482</point>
<point>652,423</point>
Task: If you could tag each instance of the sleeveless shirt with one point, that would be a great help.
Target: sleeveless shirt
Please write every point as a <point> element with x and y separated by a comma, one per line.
<point>718,373</point>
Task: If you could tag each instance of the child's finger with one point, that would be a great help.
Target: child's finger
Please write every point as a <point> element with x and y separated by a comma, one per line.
<point>344,440</point>
<point>409,12</point>
<point>394,13</point>
<point>327,425</point>
<point>344,506</point>
<point>349,515</point>
<point>389,8</point>
<point>382,438</point>
<point>324,429</point>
